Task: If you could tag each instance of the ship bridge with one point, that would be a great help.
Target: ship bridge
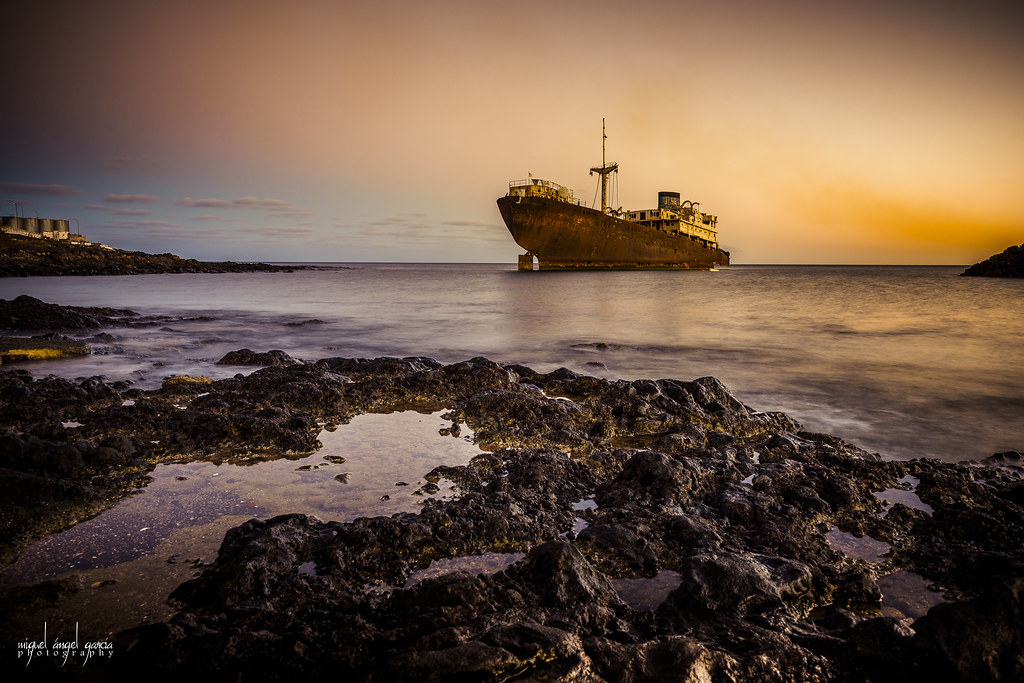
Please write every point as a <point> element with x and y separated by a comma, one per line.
<point>683,218</point>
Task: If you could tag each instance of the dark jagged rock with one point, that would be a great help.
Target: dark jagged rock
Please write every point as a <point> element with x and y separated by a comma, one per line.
<point>249,357</point>
<point>26,313</point>
<point>680,480</point>
<point>562,577</point>
<point>981,639</point>
<point>737,582</point>
<point>617,550</point>
<point>1010,263</point>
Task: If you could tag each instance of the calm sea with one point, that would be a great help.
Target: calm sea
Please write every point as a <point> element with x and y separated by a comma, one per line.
<point>904,361</point>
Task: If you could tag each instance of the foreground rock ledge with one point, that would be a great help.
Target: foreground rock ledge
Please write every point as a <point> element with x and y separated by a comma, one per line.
<point>685,478</point>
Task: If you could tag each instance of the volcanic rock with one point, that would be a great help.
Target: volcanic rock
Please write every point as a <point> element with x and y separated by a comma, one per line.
<point>685,480</point>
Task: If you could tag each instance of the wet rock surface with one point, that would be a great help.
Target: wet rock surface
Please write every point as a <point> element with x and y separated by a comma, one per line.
<point>683,477</point>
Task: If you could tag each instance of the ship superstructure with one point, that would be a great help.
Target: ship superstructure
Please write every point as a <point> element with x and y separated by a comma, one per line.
<point>684,218</point>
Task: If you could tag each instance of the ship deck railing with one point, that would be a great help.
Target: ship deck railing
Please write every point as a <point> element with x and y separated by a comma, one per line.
<point>528,182</point>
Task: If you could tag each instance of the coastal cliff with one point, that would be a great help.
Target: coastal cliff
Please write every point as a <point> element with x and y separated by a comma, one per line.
<point>28,256</point>
<point>1010,263</point>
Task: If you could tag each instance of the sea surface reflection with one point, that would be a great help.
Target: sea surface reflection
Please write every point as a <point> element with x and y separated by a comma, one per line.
<point>904,361</point>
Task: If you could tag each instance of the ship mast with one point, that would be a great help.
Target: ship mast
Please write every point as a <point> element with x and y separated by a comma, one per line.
<point>604,169</point>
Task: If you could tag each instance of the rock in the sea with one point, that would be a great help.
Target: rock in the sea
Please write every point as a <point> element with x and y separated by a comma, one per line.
<point>249,357</point>
<point>25,348</point>
<point>1010,263</point>
<point>26,313</point>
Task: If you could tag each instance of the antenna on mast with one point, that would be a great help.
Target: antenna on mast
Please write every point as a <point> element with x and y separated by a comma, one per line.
<point>604,169</point>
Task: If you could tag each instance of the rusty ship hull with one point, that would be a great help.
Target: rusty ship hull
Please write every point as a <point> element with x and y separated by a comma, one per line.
<point>566,236</point>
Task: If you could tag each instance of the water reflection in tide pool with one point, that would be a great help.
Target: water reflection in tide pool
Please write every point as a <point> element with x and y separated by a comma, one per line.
<point>904,594</point>
<point>647,593</point>
<point>907,595</point>
<point>129,558</point>
<point>862,548</point>
<point>907,497</point>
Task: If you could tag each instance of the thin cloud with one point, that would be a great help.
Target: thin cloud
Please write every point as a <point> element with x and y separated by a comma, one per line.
<point>394,220</point>
<point>48,190</point>
<point>469,224</point>
<point>122,163</point>
<point>290,231</point>
<point>174,233</point>
<point>131,199</point>
<point>118,212</point>
<point>275,207</point>
<point>267,204</point>
<point>141,225</point>
<point>205,203</point>
<point>412,228</point>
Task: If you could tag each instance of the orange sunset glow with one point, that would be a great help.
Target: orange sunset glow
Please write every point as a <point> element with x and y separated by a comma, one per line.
<point>867,132</point>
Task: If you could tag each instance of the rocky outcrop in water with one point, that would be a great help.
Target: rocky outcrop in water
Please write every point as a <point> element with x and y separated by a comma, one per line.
<point>28,256</point>
<point>27,313</point>
<point>51,346</point>
<point>1010,263</point>
<point>684,480</point>
<point>250,357</point>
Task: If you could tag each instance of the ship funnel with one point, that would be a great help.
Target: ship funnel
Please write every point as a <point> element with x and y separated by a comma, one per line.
<point>667,200</point>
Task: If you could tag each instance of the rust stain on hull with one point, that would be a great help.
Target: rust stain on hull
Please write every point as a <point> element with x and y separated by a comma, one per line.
<point>566,236</point>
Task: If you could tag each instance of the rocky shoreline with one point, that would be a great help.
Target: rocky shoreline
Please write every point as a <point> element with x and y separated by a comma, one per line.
<point>28,256</point>
<point>678,479</point>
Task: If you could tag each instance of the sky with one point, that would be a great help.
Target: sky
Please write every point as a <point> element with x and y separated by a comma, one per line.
<point>818,132</point>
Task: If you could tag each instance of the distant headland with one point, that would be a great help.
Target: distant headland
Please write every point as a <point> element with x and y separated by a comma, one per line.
<point>1010,263</point>
<point>32,247</point>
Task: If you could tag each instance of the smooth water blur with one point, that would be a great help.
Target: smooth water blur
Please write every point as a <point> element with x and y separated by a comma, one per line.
<point>905,361</point>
